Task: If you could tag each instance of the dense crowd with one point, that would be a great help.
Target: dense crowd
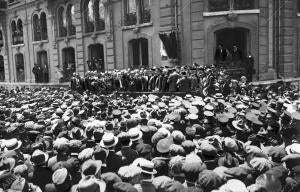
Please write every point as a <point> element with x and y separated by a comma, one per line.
<point>164,79</point>
<point>60,140</point>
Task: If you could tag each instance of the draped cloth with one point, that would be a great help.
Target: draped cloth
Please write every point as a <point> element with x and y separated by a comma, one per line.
<point>170,43</point>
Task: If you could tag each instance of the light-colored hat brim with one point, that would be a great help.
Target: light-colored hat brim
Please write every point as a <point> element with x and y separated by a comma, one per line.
<point>108,146</point>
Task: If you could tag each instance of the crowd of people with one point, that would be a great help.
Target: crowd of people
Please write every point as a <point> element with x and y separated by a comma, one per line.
<point>202,79</point>
<point>62,140</point>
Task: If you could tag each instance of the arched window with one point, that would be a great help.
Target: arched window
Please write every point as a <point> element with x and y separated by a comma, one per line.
<point>14,32</point>
<point>62,22</point>
<point>43,27</point>
<point>20,32</point>
<point>99,15</point>
<point>89,16</point>
<point>36,28</point>
<point>71,19</point>
<point>1,39</point>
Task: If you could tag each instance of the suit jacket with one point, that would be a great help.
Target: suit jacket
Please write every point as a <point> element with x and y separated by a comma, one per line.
<point>184,84</point>
<point>41,177</point>
<point>128,155</point>
<point>172,81</point>
<point>113,162</point>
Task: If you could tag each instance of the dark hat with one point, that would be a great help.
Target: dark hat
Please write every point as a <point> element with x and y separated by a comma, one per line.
<point>143,149</point>
<point>110,179</point>
<point>209,180</point>
<point>191,170</point>
<point>236,173</point>
<point>174,186</point>
<point>91,183</point>
<point>124,187</point>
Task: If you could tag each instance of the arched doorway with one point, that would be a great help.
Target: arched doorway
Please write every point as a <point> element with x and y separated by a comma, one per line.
<point>232,45</point>
<point>138,53</point>
<point>96,57</point>
<point>69,64</point>
<point>42,61</point>
<point>2,72</point>
<point>20,72</point>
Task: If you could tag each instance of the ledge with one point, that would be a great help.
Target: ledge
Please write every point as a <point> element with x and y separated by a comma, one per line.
<point>137,26</point>
<point>38,42</point>
<point>238,12</point>
<point>19,45</point>
<point>94,33</point>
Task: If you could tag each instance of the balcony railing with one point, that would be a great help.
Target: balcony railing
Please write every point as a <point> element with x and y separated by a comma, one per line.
<point>18,38</point>
<point>130,19</point>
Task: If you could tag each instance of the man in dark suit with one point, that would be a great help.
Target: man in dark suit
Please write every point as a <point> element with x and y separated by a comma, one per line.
<point>184,83</point>
<point>172,80</point>
<point>127,153</point>
<point>113,161</point>
<point>220,55</point>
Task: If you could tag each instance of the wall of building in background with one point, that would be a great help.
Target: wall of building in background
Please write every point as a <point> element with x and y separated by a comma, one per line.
<point>124,35</point>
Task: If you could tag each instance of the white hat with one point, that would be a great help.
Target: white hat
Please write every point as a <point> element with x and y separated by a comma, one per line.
<point>293,149</point>
<point>109,140</point>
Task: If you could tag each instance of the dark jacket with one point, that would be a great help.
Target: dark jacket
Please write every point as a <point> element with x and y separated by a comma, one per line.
<point>41,177</point>
<point>184,84</point>
<point>113,162</point>
<point>128,155</point>
<point>172,81</point>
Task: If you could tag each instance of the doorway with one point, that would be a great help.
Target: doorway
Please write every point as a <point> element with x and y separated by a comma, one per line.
<point>139,53</point>
<point>96,57</point>
<point>2,72</point>
<point>68,56</point>
<point>42,61</point>
<point>20,67</point>
<point>236,45</point>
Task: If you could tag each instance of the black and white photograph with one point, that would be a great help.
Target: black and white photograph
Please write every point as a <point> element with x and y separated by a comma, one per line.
<point>149,95</point>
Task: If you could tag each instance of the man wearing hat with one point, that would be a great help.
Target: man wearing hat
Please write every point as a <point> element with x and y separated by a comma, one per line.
<point>41,175</point>
<point>126,152</point>
<point>113,161</point>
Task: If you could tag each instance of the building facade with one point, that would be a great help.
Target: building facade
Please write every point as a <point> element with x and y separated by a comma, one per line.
<point>64,36</point>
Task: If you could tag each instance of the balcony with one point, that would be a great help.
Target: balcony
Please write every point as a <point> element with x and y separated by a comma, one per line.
<point>3,5</point>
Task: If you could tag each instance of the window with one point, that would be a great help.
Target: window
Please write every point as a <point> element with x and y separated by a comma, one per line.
<point>43,23</point>
<point>20,31</point>
<point>99,15</point>
<point>71,20</point>
<point>94,15</point>
<point>20,67</point>
<point>17,32</point>
<point>62,22</point>
<point>139,54</point>
<point>137,12</point>
<point>14,32</point>
<point>226,5</point>
<point>36,28</point>
<point>1,39</point>
<point>298,6</point>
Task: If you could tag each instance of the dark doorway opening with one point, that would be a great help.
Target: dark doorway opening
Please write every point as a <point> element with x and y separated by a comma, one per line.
<point>20,72</point>
<point>96,57</point>
<point>2,72</point>
<point>68,55</point>
<point>139,56</point>
<point>235,44</point>
<point>42,61</point>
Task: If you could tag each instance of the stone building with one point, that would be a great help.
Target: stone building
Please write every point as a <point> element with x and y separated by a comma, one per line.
<point>64,36</point>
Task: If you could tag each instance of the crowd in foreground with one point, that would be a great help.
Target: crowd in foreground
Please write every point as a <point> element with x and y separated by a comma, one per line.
<point>59,140</point>
<point>163,79</point>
